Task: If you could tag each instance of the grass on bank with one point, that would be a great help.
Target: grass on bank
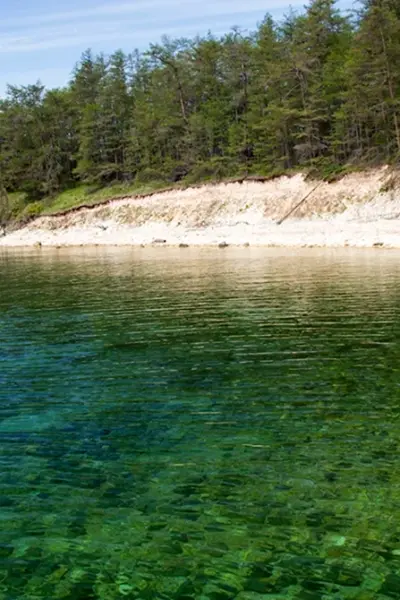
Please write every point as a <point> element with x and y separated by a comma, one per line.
<point>86,195</point>
<point>22,209</point>
<point>83,195</point>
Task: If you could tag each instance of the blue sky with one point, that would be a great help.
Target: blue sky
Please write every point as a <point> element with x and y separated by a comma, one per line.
<point>43,39</point>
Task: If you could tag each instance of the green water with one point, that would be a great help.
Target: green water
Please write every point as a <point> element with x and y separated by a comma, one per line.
<point>207,425</point>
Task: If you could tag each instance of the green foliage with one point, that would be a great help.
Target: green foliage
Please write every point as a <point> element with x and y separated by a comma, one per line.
<point>31,210</point>
<point>149,175</point>
<point>17,201</point>
<point>89,195</point>
<point>69,199</point>
<point>5,208</point>
<point>318,91</point>
<point>213,170</point>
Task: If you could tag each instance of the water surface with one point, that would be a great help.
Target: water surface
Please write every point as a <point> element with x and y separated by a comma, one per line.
<point>192,424</point>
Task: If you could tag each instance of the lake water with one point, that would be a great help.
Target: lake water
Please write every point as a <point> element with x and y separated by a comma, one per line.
<point>199,424</point>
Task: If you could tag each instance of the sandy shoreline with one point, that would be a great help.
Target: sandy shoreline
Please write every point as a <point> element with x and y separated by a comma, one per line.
<point>299,233</point>
<point>361,210</point>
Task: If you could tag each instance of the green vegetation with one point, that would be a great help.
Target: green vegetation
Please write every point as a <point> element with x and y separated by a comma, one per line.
<point>318,91</point>
<point>18,206</point>
<point>87,195</point>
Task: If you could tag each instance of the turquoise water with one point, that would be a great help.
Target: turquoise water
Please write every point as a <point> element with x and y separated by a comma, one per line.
<point>207,425</point>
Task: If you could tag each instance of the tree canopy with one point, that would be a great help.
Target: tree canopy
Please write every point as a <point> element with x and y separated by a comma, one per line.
<point>318,90</point>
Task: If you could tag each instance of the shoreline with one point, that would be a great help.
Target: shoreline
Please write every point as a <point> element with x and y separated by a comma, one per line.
<point>297,233</point>
<point>360,210</point>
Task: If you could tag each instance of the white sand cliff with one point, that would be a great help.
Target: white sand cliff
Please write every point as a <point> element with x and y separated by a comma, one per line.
<point>361,209</point>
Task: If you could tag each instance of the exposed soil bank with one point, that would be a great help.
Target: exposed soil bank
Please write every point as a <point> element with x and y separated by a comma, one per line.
<point>362,209</point>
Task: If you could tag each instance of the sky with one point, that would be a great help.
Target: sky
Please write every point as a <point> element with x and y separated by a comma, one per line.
<point>43,39</point>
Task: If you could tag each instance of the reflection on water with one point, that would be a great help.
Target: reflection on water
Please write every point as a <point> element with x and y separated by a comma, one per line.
<point>194,424</point>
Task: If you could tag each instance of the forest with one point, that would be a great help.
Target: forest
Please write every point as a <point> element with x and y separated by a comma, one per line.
<point>318,91</point>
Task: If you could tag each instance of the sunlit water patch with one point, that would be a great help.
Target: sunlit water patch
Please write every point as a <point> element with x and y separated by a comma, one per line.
<point>207,425</point>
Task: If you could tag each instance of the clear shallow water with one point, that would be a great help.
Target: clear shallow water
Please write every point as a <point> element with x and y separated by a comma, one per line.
<point>208,425</point>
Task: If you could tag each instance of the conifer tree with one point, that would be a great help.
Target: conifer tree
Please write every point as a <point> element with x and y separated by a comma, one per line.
<point>317,90</point>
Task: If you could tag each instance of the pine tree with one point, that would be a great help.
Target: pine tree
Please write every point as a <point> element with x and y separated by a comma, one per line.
<point>317,90</point>
<point>315,39</point>
<point>87,80</point>
<point>114,120</point>
<point>238,50</point>
<point>272,116</point>
<point>210,117</point>
<point>172,102</point>
<point>22,132</point>
<point>372,110</point>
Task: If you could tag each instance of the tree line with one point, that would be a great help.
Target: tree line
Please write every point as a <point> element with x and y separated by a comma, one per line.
<point>318,89</point>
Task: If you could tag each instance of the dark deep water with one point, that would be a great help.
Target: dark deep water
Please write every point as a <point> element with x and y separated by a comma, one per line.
<point>191,424</point>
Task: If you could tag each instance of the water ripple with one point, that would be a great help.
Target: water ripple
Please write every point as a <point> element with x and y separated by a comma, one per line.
<point>201,425</point>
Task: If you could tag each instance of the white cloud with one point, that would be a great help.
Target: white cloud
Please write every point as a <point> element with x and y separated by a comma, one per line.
<point>139,6</point>
<point>143,20</point>
<point>74,15</point>
<point>25,37</point>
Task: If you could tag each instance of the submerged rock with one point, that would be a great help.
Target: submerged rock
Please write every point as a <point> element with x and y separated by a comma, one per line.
<point>223,245</point>
<point>342,574</point>
<point>391,586</point>
<point>32,423</point>
<point>6,550</point>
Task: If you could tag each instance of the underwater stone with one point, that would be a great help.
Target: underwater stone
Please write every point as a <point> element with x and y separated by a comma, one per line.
<point>77,528</point>
<point>315,585</point>
<point>6,501</point>
<point>336,540</point>
<point>82,591</point>
<point>303,566</point>
<point>391,586</point>
<point>6,550</point>
<point>125,589</point>
<point>255,596</point>
<point>308,595</point>
<point>331,476</point>
<point>220,591</point>
<point>175,587</point>
<point>259,580</point>
<point>319,518</point>
<point>344,575</point>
